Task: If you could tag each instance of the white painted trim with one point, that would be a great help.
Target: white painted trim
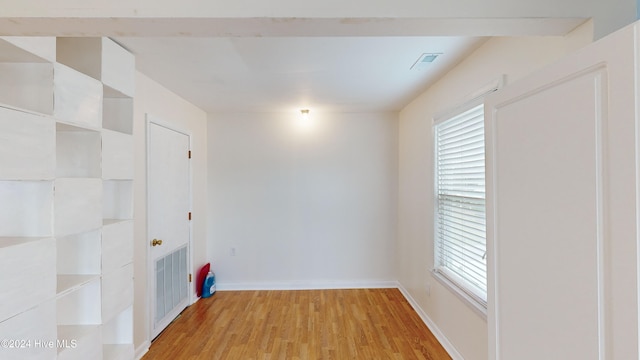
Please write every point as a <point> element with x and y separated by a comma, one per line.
<point>142,350</point>
<point>601,209</point>
<point>637,172</point>
<point>435,330</point>
<point>636,32</point>
<point>307,285</point>
<point>468,102</point>
<point>471,100</point>
<point>460,292</point>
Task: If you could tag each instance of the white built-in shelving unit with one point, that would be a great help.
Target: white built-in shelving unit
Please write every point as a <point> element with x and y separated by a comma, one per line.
<point>66,184</point>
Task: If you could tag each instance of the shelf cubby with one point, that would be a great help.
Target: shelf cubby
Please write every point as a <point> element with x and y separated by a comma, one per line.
<point>78,205</point>
<point>117,114</point>
<point>117,292</point>
<point>77,152</point>
<point>81,305</point>
<point>37,324</point>
<point>118,200</point>
<point>78,260</point>
<point>102,59</point>
<point>26,70</point>
<point>79,342</point>
<point>77,98</point>
<point>68,283</point>
<point>30,49</point>
<point>79,253</point>
<point>28,86</point>
<point>26,208</point>
<point>26,138</point>
<point>117,159</point>
<point>117,336</point>
<point>117,244</point>
<point>30,262</point>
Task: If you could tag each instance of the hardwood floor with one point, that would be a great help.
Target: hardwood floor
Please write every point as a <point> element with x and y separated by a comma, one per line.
<point>300,324</point>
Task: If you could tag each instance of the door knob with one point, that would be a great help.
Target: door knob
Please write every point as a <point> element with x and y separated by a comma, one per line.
<point>156,242</point>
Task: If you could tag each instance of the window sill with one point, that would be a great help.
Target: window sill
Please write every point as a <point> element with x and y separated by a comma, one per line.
<point>477,307</point>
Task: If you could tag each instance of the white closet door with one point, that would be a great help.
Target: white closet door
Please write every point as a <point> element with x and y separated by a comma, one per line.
<point>561,209</point>
<point>169,204</point>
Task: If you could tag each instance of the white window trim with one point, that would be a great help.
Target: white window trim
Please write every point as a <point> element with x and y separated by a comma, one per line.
<point>474,304</point>
<point>473,100</point>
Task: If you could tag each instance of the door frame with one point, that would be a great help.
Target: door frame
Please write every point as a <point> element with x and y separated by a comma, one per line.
<point>151,119</point>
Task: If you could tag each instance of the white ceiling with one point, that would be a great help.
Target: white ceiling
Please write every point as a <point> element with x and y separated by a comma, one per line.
<point>251,55</point>
<point>256,74</point>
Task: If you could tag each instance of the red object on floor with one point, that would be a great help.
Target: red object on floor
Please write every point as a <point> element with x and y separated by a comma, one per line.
<point>202,274</point>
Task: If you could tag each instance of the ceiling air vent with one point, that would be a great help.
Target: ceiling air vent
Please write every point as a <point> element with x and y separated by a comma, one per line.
<point>424,60</point>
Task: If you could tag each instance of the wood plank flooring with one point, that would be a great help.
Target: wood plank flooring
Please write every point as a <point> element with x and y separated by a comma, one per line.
<point>300,324</point>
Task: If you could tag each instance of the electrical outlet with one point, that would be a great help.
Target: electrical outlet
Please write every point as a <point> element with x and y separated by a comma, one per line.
<point>232,251</point>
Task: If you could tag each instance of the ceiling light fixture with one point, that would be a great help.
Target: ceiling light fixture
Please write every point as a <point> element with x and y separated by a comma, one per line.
<point>304,124</point>
<point>423,60</point>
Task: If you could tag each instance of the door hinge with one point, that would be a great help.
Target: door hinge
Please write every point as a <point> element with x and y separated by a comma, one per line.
<point>189,154</point>
<point>189,277</point>
<point>189,215</point>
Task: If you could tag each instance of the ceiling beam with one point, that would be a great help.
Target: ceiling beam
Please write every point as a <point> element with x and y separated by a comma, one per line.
<point>310,17</point>
<point>283,27</point>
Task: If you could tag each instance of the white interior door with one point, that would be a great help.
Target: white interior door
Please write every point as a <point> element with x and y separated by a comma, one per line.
<point>168,180</point>
<point>561,209</point>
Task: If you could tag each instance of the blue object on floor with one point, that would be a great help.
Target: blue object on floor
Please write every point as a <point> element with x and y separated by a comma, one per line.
<point>209,287</point>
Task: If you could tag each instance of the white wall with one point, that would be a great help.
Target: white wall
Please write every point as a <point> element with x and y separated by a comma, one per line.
<point>313,208</point>
<point>513,57</point>
<point>154,99</point>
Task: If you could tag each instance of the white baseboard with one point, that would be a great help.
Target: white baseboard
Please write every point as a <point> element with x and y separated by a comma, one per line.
<point>305,285</point>
<point>446,344</point>
<point>142,349</point>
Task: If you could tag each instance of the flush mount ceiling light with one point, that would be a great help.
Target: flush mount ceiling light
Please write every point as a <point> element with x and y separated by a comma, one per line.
<point>304,122</point>
<point>424,60</point>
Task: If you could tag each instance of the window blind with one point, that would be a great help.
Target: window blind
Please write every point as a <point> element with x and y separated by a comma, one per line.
<point>460,202</point>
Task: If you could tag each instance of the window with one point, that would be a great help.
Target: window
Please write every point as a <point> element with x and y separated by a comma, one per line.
<point>460,225</point>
